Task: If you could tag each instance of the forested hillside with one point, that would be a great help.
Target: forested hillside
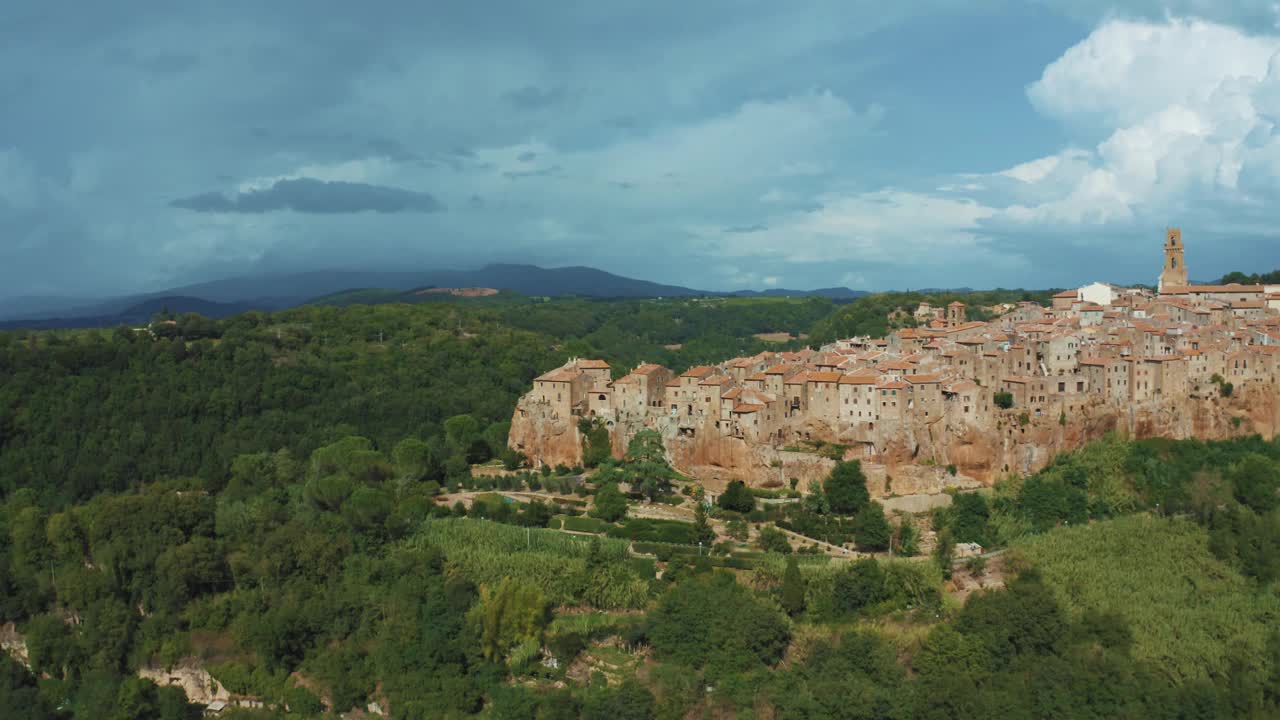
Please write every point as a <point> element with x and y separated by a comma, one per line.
<point>288,503</point>
<point>84,411</point>
<point>870,315</point>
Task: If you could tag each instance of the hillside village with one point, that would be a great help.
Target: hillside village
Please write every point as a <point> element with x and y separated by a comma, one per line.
<point>979,398</point>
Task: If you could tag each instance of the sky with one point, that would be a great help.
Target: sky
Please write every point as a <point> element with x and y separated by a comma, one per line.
<point>714,144</point>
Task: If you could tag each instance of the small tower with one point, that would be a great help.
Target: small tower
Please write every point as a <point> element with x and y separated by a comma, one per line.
<point>955,314</point>
<point>1174,273</point>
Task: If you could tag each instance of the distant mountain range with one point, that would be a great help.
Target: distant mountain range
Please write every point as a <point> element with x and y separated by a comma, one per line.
<point>220,298</point>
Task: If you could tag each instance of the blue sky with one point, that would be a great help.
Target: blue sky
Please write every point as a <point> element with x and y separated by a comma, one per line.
<point>711,144</point>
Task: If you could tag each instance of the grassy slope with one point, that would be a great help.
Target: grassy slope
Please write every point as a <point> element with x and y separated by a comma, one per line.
<point>1186,607</point>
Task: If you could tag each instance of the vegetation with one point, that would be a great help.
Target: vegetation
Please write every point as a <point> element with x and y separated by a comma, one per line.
<point>266,496</point>
<point>1188,611</point>
<point>870,315</point>
<point>1269,278</point>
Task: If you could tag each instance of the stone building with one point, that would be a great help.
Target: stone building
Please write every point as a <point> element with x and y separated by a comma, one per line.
<point>932,387</point>
<point>1174,272</point>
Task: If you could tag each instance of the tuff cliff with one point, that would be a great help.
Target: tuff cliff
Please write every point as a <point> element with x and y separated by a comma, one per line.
<point>914,458</point>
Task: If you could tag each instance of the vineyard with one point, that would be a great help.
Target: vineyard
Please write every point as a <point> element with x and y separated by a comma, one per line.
<point>1188,610</point>
<point>554,562</point>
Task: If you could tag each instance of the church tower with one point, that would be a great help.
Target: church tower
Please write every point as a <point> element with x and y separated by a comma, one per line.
<point>1174,273</point>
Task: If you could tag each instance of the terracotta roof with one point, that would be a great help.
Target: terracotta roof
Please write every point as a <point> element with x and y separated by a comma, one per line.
<point>921,379</point>
<point>778,370</point>
<point>1211,289</point>
<point>716,380</point>
<point>593,365</point>
<point>647,369</point>
<point>1067,294</point>
<point>559,375</point>
<point>731,394</point>
<point>858,380</point>
<point>833,377</point>
<point>747,408</point>
<point>758,377</point>
<point>700,371</point>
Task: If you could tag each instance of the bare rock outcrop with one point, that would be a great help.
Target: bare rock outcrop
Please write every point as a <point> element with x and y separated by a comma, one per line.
<point>541,434</point>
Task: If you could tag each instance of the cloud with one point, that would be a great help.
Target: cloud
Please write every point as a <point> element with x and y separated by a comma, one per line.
<point>531,97</point>
<point>1126,71</point>
<point>888,226</point>
<point>1188,109</point>
<point>307,195</point>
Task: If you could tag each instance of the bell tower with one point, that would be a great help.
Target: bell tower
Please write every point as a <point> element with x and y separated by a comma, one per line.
<point>1174,273</point>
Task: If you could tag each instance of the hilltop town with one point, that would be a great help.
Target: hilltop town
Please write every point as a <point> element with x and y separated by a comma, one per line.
<point>949,400</point>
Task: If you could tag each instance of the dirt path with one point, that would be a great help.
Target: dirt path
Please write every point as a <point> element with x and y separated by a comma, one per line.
<point>832,550</point>
<point>468,496</point>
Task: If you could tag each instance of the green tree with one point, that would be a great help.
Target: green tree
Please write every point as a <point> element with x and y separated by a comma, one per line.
<point>710,618</point>
<point>1256,478</point>
<point>774,540</point>
<point>703,534</point>
<point>628,701</point>
<point>969,517</point>
<point>858,586</point>
<point>351,457</point>
<point>596,444</point>
<point>414,459</point>
<point>508,615</point>
<point>737,498</point>
<point>647,469</point>
<point>647,447</point>
<point>463,434</point>
<point>793,588</point>
<point>871,530</point>
<point>906,539</point>
<point>846,488</point>
<point>610,504</point>
<point>1002,400</point>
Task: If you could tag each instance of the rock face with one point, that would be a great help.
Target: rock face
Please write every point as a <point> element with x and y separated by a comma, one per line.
<point>190,675</point>
<point>545,435</point>
<point>12,642</point>
<point>913,459</point>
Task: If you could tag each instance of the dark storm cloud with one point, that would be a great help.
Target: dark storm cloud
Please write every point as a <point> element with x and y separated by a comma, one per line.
<point>393,150</point>
<point>160,63</point>
<point>307,195</point>
<point>541,172</point>
<point>532,97</point>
